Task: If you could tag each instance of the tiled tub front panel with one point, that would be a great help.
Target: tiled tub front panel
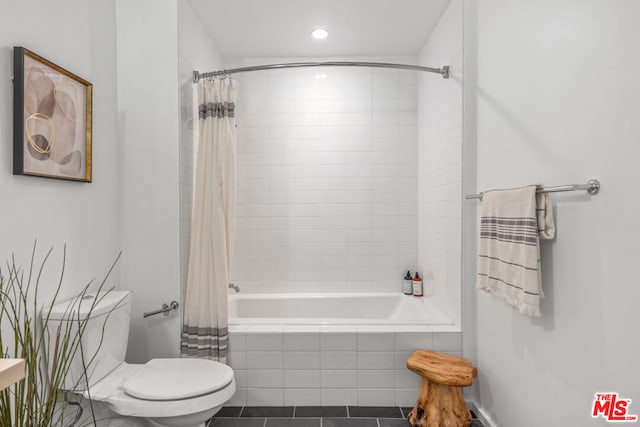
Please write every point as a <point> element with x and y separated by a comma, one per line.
<point>330,365</point>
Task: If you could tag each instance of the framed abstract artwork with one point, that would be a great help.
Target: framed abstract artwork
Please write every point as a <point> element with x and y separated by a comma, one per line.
<point>51,119</point>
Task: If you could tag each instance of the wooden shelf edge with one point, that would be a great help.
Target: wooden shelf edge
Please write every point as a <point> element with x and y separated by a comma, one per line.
<point>11,371</point>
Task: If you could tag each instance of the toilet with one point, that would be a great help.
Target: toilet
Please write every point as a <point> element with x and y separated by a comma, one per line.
<point>162,392</point>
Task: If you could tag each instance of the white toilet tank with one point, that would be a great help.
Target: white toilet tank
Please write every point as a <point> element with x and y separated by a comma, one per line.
<point>104,340</point>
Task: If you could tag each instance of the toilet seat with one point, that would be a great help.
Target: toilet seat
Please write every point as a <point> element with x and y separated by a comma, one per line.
<point>110,390</point>
<point>173,379</point>
<point>123,404</point>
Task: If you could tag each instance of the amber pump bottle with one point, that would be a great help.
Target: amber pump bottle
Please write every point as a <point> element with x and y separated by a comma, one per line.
<point>417,286</point>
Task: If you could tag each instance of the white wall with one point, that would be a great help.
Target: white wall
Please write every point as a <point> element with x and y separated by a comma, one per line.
<point>78,35</point>
<point>197,52</point>
<point>469,185</point>
<point>558,94</point>
<point>148,108</point>
<point>327,179</point>
<point>135,188</point>
<point>440,164</point>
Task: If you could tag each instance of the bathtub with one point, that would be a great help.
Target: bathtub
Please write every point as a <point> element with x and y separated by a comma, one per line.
<point>384,309</point>
<point>332,348</point>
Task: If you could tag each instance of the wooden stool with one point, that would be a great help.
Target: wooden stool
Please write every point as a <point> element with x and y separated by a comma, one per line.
<point>440,402</point>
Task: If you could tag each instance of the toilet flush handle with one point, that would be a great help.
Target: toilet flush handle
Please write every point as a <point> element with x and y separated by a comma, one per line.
<point>164,310</point>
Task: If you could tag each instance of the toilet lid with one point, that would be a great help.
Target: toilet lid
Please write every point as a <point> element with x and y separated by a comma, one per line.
<point>174,379</point>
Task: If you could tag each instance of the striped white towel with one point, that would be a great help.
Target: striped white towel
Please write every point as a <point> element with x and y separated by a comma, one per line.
<point>512,224</point>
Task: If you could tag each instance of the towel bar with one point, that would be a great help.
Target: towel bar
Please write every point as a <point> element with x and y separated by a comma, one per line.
<point>592,187</point>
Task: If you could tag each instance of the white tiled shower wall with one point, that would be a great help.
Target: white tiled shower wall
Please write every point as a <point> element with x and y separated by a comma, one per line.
<point>329,365</point>
<point>440,160</point>
<point>327,180</point>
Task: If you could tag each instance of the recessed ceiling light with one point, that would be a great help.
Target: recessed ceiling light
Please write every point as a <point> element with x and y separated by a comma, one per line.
<point>320,34</point>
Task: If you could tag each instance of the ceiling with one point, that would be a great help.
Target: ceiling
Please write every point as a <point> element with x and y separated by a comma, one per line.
<point>281,28</point>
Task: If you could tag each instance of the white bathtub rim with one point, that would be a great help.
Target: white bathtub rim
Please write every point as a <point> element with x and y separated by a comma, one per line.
<point>274,328</point>
<point>321,295</point>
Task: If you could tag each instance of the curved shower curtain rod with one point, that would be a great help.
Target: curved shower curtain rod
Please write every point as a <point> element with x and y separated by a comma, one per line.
<point>444,71</point>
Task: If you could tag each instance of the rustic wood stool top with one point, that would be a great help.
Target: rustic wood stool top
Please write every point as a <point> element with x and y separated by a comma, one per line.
<point>443,369</point>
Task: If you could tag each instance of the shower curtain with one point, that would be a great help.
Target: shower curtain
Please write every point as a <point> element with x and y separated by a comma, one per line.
<point>204,332</point>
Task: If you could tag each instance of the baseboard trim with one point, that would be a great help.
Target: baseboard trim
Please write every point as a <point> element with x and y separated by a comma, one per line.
<point>480,414</point>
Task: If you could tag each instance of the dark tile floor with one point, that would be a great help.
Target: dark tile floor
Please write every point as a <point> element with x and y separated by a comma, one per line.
<point>315,416</point>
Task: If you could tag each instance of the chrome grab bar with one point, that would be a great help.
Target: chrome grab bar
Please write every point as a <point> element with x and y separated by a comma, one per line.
<point>164,310</point>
